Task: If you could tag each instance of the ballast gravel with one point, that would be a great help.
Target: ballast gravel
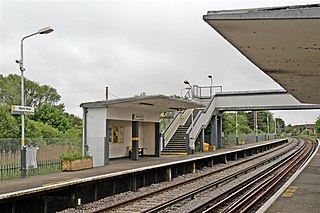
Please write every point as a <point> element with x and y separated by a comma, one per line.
<point>111,200</point>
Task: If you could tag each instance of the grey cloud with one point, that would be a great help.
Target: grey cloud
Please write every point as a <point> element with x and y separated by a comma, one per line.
<point>130,46</point>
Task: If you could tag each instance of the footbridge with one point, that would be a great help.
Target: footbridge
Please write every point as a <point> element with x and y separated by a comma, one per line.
<point>189,125</point>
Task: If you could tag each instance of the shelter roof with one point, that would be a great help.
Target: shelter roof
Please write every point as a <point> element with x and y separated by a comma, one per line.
<point>284,42</point>
<point>160,103</point>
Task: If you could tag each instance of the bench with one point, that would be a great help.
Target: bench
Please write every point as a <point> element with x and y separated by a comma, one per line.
<point>140,151</point>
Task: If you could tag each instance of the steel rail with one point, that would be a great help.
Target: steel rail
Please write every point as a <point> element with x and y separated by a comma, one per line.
<point>265,189</point>
<point>214,184</point>
<point>136,199</point>
<point>247,201</point>
<point>234,191</point>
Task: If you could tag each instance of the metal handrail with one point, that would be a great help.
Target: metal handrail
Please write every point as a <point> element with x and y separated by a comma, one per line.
<point>174,125</point>
<point>190,129</point>
<point>197,91</point>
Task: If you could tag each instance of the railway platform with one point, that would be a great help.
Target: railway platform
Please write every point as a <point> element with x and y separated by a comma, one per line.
<point>120,175</point>
<point>301,193</point>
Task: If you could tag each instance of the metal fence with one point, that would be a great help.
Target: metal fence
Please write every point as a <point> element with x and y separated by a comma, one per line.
<point>230,140</point>
<point>48,155</point>
<point>44,167</point>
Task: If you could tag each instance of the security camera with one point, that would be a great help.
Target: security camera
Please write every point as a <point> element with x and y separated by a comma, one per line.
<point>17,61</point>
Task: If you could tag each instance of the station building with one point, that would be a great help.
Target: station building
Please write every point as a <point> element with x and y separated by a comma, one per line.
<point>112,128</point>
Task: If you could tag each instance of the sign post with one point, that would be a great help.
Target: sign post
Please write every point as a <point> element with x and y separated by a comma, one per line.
<point>22,110</point>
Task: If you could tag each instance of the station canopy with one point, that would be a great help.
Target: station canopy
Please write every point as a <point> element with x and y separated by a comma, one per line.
<point>157,103</point>
<point>284,42</point>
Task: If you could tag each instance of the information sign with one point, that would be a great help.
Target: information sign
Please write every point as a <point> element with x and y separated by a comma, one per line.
<point>19,110</point>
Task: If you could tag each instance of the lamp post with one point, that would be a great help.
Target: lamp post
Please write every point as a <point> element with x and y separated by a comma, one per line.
<point>191,88</point>
<point>275,128</point>
<point>256,124</point>
<point>237,133</point>
<point>210,76</point>
<point>268,126</point>
<point>45,30</point>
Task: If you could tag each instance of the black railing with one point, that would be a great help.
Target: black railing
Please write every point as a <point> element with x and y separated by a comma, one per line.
<point>13,170</point>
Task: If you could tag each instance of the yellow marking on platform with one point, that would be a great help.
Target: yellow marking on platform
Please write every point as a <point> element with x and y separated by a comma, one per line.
<point>174,153</point>
<point>64,181</point>
<point>290,191</point>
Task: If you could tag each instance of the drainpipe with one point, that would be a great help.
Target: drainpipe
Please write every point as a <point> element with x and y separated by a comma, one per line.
<point>84,144</point>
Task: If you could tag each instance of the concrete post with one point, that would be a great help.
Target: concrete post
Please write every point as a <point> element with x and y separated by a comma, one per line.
<point>193,169</point>
<point>214,132</point>
<point>219,131</point>
<point>133,183</point>
<point>168,174</point>
<point>202,140</point>
<point>225,159</point>
<point>210,163</point>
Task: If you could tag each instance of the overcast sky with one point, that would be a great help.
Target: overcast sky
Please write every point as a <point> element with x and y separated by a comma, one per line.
<point>131,47</point>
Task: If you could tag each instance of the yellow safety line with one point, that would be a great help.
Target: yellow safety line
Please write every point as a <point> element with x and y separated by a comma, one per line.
<point>174,153</point>
<point>135,138</point>
<point>290,191</point>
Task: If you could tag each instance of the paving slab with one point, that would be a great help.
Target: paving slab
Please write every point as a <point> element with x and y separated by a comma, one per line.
<point>303,194</point>
<point>16,187</point>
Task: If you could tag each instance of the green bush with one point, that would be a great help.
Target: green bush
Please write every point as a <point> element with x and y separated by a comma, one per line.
<point>73,155</point>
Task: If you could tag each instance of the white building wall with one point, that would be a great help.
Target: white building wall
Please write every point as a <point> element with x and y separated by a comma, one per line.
<point>117,113</point>
<point>148,137</point>
<point>121,150</point>
<point>96,130</point>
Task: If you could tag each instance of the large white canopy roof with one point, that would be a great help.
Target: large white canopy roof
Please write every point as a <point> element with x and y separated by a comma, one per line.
<point>284,42</point>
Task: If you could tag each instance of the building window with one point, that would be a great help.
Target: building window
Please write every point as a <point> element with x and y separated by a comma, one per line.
<point>116,134</point>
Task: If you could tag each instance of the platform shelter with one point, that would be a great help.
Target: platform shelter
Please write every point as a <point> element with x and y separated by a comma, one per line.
<point>119,127</point>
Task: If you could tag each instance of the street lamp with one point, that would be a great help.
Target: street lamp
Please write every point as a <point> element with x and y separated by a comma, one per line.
<point>210,76</point>
<point>45,30</point>
<point>191,88</point>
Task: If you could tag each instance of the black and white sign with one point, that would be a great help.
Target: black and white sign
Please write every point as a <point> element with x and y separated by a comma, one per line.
<point>18,110</point>
<point>137,117</point>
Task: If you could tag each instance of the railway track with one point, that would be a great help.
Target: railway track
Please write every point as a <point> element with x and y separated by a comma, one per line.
<point>247,196</point>
<point>161,199</point>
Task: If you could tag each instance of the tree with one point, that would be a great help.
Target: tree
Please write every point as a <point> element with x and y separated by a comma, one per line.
<point>280,125</point>
<point>229,123</point>
<point>35,94</point>
<point>317,125</point>
<point>52,115</point>
<point>10,90</point>
<point>49,121</point>
<point>9,126</point>
<point>262,121</point>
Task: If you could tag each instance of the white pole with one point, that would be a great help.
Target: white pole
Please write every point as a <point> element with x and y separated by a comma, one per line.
<point>237,133</point>
<point>23,147</point>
